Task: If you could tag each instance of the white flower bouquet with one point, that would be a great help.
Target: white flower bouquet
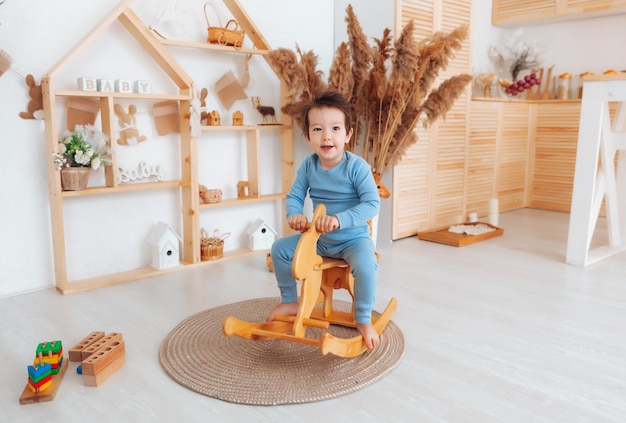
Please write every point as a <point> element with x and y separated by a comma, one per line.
<point>86,146</point>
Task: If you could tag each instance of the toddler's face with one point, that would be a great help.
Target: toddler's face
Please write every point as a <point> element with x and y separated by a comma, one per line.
<point>327,135</point>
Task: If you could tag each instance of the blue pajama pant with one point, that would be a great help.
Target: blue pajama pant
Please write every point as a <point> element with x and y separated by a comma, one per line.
<point>359,253</point>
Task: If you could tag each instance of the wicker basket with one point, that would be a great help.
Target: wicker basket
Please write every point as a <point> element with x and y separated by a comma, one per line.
<point>212,247</point>
<point>210,196</point>
<point>229,35</point>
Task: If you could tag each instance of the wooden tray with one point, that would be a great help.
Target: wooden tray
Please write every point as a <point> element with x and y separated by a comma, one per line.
<point>444,236</point>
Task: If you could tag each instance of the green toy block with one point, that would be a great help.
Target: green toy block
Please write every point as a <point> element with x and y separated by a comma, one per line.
<point>55,347</point>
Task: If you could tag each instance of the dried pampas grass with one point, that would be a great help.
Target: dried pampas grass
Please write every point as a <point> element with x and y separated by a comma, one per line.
<point>389,86</point>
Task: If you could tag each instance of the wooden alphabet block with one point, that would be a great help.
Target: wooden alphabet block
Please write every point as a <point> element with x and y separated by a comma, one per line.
<point>102,358</point>
<point>87,84</point>
<point>143,87</point>
<point>124,86</point>
<point>106,85</point>
<point>92,348</point>
<point>75,352</point>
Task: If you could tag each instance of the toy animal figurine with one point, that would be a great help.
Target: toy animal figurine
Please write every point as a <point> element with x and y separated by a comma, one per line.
<point>383,192</point>
<point>35,105</point>
<point>129,135</point>
<point>266,111</point>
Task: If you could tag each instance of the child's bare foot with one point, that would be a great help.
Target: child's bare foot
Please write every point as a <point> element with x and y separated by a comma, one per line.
<point>369,334</point>
<point>287,309</point>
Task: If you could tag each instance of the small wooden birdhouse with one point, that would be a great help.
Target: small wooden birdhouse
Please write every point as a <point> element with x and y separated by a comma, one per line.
<point>243,189</point>
<point>237,118</point>
<point>164,246</point>
<point>214,118</point>
<point>261,236</point>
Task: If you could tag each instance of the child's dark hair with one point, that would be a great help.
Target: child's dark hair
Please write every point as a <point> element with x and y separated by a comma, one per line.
<point>332,99</point>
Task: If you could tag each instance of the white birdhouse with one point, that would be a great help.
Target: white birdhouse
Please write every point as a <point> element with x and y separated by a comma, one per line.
<point>164,246</point>
<point>261,236</point>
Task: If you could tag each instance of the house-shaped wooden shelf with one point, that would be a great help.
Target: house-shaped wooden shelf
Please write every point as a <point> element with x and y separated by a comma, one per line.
<point>188,181</point>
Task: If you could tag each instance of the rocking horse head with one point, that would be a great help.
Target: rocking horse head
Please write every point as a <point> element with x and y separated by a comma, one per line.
<point>382,189</point>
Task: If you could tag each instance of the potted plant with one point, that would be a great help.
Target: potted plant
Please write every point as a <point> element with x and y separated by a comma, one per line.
<point>81,150</point>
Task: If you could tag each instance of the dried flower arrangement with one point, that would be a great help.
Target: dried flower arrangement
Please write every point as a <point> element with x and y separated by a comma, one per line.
<point>515,56</point>
<point>390,87</point>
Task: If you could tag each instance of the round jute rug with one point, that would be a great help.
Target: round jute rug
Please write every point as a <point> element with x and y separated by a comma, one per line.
<point>198,355</point>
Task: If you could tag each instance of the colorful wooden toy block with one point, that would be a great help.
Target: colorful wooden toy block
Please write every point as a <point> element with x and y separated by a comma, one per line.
<point>51,353</point>
<point>39,377</point>
<point>45,374</point>
<point>42,385</point>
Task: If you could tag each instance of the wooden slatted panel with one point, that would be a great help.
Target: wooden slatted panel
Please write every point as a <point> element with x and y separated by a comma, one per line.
<point>508,11</point>
<point>481,157</point>
<point>513,156</point>
<point>429,183</point>
<point>449,189</point>
<point>411,188</point>
<point>555,155</point>
<point>421,12</point>
<point>449,178</point>
<point>411,179</point>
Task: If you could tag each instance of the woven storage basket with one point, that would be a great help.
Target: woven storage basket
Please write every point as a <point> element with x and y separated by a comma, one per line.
<point>212,247</point>
<point>229,35</point>
<point>211,196</point>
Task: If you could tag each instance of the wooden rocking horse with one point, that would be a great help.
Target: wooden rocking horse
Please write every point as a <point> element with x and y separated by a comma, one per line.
<point>319,277</point>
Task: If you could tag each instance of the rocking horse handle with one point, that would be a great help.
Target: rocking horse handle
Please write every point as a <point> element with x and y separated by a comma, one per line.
<point>305,256</point>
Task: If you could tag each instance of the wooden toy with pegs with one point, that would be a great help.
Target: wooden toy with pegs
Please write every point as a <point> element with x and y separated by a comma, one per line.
<point>100,356</point>
<point>320,276</point>
<point>45,374</point>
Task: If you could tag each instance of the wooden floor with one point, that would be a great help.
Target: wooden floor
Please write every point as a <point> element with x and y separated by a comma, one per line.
<point>499,331</point>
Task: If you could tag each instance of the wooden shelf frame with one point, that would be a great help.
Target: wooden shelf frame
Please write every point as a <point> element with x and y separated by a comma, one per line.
<point>188,182</point>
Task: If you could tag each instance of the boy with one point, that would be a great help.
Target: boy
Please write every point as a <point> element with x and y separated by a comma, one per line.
<point>344,183</point>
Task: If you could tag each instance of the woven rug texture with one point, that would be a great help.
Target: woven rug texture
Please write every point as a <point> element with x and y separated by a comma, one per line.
<point>199,356</point>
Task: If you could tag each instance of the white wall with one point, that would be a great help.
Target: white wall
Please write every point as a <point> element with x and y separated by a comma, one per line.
<point>39,33</point>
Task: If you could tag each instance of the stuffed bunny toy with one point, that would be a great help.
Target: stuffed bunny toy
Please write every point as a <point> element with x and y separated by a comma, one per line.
<point>129,135</point>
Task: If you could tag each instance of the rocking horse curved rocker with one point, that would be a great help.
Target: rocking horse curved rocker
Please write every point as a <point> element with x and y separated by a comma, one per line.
<point>320,276</point>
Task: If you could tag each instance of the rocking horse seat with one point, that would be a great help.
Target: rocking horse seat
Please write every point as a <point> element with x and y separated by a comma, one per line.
<point>320,276</point>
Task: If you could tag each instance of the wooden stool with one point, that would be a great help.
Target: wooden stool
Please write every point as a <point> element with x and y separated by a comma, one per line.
<point>598,139</point>
<point>320,276</point>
